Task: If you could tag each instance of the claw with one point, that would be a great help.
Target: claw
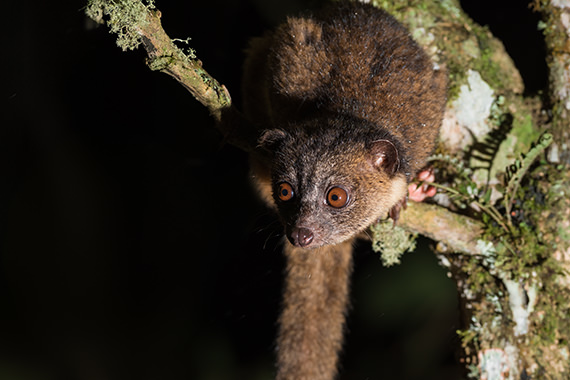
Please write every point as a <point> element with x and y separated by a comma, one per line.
<point>395,210</point>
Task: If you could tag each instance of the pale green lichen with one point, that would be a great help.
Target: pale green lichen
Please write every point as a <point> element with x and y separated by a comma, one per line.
<point>160,63</point>
<point>471,48</point>
<point>188,52</point>
<point>473,371</point>
<point>493,363</point>
<point>488,252</point>
<point>391,241</point>
<point>451,7</point>
<point>123,17</point>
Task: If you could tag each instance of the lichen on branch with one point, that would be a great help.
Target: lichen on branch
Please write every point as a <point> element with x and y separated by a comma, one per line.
<point>137,22</point>
<point>123,17</point>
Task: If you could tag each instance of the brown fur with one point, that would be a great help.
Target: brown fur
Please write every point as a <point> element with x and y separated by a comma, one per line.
<point>348,99</point>
<point>316,286</point>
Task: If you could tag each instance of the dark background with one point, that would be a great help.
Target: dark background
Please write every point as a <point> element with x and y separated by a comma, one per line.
<point>131,244</point>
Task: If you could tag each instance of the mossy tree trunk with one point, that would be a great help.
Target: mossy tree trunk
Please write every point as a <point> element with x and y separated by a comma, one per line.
<point>502,217</point>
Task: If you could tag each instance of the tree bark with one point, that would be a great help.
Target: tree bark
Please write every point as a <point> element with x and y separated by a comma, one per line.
<point>556,29</point>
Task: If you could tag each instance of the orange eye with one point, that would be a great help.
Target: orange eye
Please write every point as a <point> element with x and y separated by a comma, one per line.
<point>337,197</point>
<point>285,192</point>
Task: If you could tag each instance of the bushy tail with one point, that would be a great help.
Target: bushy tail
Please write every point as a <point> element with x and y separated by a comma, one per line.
<point>314,306</point>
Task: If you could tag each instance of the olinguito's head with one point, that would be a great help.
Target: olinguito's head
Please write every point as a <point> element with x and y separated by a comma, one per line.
<point>331,181</point>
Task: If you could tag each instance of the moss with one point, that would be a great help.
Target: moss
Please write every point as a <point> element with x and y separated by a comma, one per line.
<point>564,233</point>
<point>489,68</point>
<point>533,263</point>
<point>452,38</point>
<point>523,255</point>
<point>550,333</point>
<point>525,130</point>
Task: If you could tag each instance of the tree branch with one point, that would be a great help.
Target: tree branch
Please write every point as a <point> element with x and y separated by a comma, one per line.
<point>136,22</point>
<point>458,233</point>
<point>166,57</point>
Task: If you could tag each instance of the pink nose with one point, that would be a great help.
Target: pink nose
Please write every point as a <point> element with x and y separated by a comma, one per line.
<point>301,237</point>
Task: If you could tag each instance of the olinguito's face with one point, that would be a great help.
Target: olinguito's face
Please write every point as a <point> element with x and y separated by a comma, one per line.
<point>316,205</point>
<point>327,191</point>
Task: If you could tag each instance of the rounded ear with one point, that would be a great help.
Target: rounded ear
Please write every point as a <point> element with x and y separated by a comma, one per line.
<point>271,139</point>
<point>384,155</point>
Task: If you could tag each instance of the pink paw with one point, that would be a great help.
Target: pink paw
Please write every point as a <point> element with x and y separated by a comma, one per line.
<point>419,193</point>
